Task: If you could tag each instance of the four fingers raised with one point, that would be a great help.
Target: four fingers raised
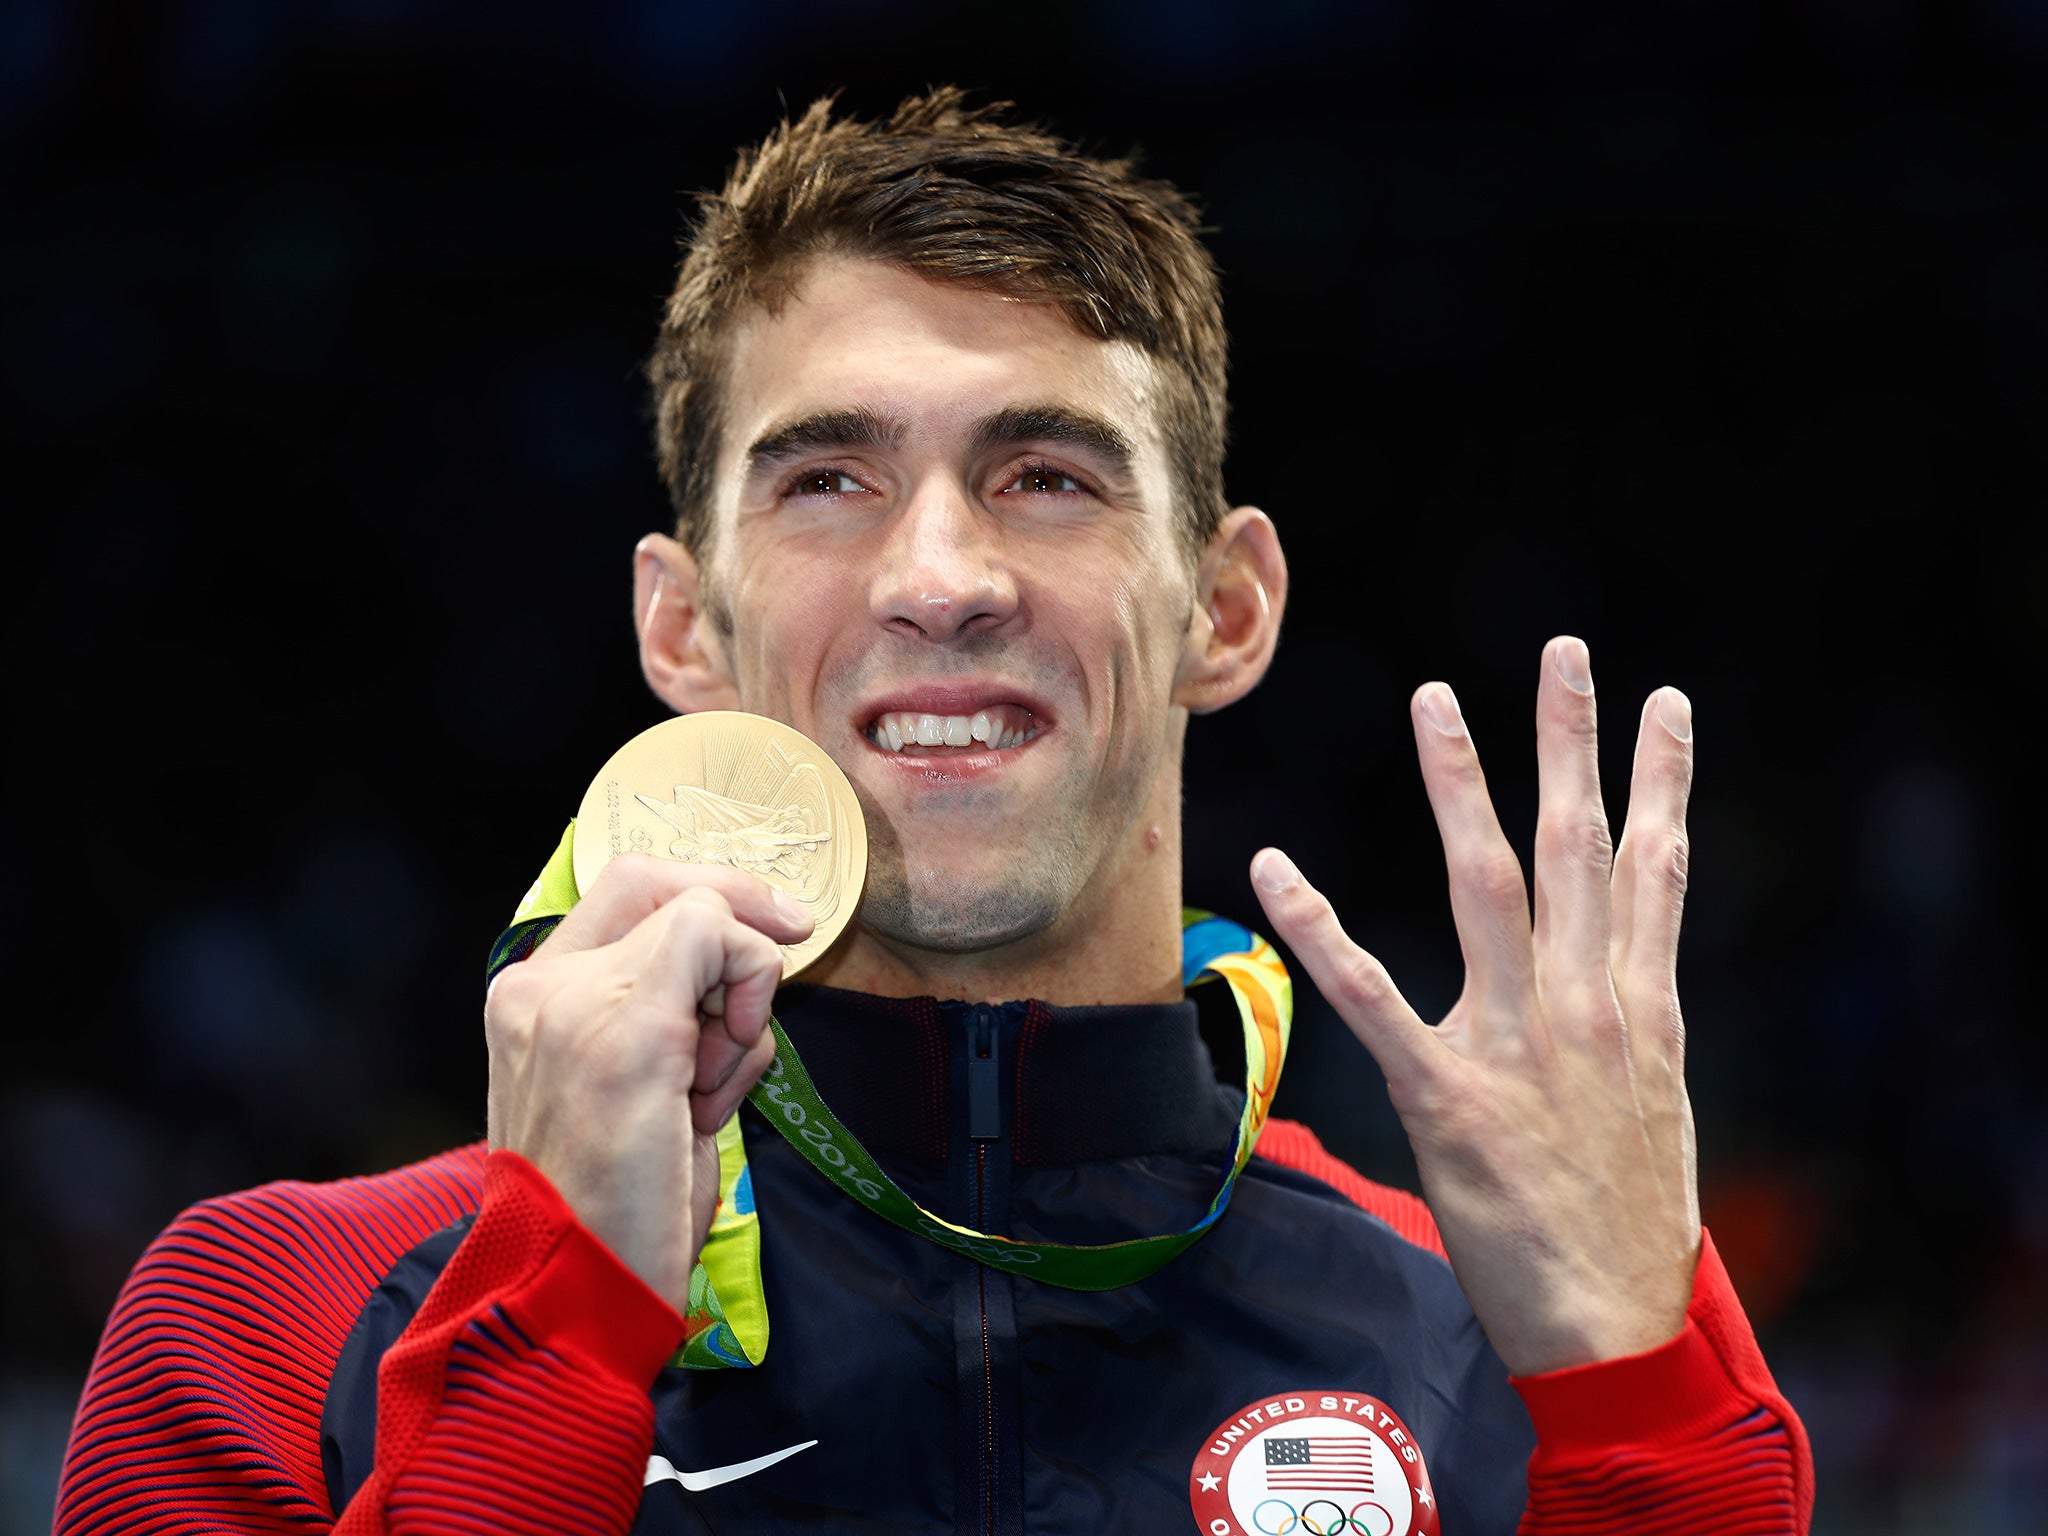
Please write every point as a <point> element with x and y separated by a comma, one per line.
<point>1606,919</point>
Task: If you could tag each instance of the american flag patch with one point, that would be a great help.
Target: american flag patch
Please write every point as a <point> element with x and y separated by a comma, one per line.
<point>1319,1464</point>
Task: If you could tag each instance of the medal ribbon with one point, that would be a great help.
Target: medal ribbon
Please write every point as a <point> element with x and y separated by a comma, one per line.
<point>726,1323</point>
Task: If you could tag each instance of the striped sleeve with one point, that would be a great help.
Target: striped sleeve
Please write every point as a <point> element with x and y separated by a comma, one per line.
<point>1690,1437</point>
<point>202,1408</point>
<point>517,1400</point>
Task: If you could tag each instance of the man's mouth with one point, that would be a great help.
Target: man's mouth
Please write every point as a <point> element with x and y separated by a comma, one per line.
<point>994,729</point>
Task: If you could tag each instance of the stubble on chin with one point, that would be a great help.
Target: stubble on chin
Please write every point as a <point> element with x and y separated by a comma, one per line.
<point>945,913</point>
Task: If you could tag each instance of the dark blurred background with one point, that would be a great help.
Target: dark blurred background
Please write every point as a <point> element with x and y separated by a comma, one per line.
<point>1713,334</point>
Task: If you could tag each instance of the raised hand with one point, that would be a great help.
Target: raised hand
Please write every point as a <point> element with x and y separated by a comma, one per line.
<point>1548,1109</point>
<point>625,1041</point>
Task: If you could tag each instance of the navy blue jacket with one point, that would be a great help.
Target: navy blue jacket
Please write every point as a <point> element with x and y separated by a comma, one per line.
<point>946,1397</point>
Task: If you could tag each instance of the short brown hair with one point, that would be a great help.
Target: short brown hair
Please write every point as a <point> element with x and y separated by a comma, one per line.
<point>959,194</point>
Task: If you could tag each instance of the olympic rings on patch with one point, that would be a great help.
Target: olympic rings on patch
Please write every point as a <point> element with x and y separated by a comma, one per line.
<point>1290,1520</point>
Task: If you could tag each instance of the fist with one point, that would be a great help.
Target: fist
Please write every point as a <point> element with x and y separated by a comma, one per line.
<point>626,1040</point>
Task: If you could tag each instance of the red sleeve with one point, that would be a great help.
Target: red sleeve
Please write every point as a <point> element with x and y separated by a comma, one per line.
<point>1690,1437</point>
<point>517,1400</point>
<point>202,1408</point>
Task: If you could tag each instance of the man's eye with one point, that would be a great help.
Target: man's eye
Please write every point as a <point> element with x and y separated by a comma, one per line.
<point>827,482</point>
<point>1041,481</point>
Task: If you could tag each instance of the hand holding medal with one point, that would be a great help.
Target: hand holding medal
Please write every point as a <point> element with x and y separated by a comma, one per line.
<point>632,1033</point>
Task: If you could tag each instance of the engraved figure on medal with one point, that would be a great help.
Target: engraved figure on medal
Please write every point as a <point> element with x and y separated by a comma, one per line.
<point>713,829</point>
<point>780,839</point>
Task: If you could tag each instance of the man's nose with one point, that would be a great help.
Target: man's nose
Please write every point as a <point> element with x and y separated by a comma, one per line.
<point>943,568</point>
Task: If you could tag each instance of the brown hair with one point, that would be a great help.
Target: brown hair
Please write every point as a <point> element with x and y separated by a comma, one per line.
<point>957,194</point>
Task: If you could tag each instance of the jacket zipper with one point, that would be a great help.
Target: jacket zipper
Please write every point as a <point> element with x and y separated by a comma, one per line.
<point>984,1124</point>
<point>988,1375</point>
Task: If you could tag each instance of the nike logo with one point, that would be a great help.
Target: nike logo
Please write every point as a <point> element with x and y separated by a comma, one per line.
<point>660,1469</point>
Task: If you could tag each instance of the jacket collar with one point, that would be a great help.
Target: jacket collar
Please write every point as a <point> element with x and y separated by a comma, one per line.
<point>1077,1084</point>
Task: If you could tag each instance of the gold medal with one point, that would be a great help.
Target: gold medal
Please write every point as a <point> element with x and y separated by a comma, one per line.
<point>723,787</point>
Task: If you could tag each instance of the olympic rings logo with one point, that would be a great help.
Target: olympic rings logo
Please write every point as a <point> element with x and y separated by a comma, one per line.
<point>1304,1522</point>
<point>980,1249</point>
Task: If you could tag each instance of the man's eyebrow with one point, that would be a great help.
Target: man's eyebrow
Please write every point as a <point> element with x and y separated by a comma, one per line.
<point>823,431</point>
<point>1056,424</point>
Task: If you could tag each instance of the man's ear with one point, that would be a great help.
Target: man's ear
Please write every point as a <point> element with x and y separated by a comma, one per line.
<point>681,653</point>
<point>1240,594</point>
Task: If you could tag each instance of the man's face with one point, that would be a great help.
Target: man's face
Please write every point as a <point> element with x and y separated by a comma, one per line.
<point>943,548</point>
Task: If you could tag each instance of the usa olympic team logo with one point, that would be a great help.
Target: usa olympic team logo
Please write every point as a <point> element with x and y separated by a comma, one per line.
<point>1312,1464</point>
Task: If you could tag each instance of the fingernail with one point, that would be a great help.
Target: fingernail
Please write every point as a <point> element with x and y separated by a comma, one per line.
<point>792,910</point>
<point>1575,665</point>
<point>1674,713</point>
<point>1274,872</point>
<point>1440,708</point>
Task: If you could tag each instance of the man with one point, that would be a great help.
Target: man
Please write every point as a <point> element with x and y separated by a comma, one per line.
<point>941,408</point>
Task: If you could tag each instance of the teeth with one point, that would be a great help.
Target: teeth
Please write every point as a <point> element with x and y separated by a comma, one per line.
<point>999,727</point>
